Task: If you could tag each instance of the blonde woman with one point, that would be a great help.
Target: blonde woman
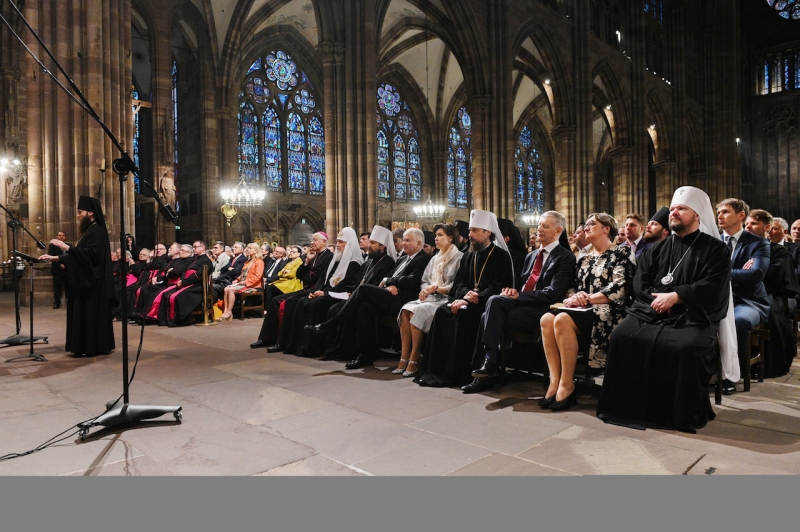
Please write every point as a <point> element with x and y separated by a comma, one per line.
<point>416,316</point>
<point>247,282</point>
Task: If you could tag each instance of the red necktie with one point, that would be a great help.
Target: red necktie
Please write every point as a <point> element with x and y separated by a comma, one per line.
<point>537,270</point>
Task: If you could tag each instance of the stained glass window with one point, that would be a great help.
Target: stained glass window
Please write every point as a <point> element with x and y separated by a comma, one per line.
<point>399,155</point>
<point>655,8</point>
<point>281,134</point>
<point>788,9</point>
<point>459,161</point>
<point>779,71</point>
<point>529,174</point>
<point>137,140</point>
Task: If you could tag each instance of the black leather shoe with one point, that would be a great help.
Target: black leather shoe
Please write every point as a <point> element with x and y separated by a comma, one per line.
<point>728,387</point>
<point>547,402</point>
<point>571,399</point>
<point>359,362</point>
<point>489,369</point>
<point>324,328</point>
<point>259,343</point>
<point>274,348</point>
<point>477,385</point>
<point>57,304</point>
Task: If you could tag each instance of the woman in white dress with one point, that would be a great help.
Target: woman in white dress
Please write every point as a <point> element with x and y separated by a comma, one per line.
<point>416,316</point>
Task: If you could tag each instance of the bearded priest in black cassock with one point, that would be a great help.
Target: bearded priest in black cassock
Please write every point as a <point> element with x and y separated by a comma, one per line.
<point>661,357</point>
<point>484,271</point>
<point>90,285</point>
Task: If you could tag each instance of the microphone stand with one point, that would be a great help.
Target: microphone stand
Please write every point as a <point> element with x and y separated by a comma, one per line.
<point>119,413</point>
<point>18,339</point>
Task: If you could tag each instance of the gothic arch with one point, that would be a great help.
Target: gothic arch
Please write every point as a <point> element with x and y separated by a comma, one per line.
<point>562,108</point>
<point>661,134</point>
<point>621,133</point>
<point>285,38</point>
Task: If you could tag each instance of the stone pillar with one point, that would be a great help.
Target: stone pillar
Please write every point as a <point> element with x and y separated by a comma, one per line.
<point>571,194</point>
<point>583,175</point>
<point>68,152</point>
<point>638,169</point>
<point>622,159</point>
<point>479,107</point>
<point>666,182</point>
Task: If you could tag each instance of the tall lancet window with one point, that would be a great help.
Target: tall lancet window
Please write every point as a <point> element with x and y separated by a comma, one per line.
<point>529,183</point>
<point>399,155</point>
<point>281,134</point>
<point>459,161</point>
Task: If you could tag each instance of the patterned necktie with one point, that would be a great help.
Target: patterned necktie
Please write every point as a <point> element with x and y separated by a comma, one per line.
<point>537,270</point>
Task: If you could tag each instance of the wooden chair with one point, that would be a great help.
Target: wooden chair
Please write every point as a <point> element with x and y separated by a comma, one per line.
<point>759,336</point>
<point>209,304</point>
<point>718,363</point>
<point>251,301</point>
<point>533,336</point>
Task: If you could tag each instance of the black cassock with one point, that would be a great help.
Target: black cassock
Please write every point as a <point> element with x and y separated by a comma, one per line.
<point>149,299</point>
<point>660,364</point>
<point>312,311</point>
<point>781,285</point>
<point>447,358</point>
<point>90,293</point>
<point>177,307</point>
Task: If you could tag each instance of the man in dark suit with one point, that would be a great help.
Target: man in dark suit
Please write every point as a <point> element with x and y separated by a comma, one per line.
<point>547,275</point>
<point>634,234</point>
<point>57,270</point>
<point>794,251</point>
<point>278,261</point>
<point>368,303</point>
<point>750,256</point>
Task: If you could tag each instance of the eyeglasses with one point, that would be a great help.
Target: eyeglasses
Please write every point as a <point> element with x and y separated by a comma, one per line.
<point>590,224</point>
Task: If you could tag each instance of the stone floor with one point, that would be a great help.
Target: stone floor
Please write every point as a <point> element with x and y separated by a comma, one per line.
<point>246,412</point>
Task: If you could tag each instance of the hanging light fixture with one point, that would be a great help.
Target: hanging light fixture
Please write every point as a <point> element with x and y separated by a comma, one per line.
<point>428,210</point>
<point>532,219</point>
<point>240,196</point>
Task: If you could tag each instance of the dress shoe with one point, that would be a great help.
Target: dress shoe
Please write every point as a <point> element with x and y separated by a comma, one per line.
<point>274,348</point>
<point>571,399</point>
<point>359,362</point>
<point>478,384</point>
<point>489,369</point>
<point>547,402</point>
<point>259,343</point>
<point>728,387</point>
<point>325,328</point>
<point>57,304</point>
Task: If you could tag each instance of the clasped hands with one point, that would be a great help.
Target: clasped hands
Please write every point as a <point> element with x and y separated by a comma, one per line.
<point>664,302</point>
<point>470,297</point>
<point>579,299</point>
<point>423,295</point>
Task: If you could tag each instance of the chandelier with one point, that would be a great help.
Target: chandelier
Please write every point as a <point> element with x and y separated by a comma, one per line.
<point>429,211</point>
<point>532,218</point>
<point>240,196</point>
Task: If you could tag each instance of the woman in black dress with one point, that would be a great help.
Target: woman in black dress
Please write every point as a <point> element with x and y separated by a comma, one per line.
<point>594,306</point>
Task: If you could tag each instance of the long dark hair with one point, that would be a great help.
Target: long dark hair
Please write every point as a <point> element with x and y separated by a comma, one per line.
<point>449,230</point>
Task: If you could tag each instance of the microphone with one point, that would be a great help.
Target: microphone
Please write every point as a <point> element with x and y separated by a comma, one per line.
<point>40,244</point>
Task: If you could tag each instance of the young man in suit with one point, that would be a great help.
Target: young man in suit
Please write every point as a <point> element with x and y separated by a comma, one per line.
<point>750,256</point>
<point>547,275</point>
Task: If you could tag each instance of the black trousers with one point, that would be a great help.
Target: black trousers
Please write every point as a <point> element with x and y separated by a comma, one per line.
<point>270,329</point>
<point>503,314</point>
<point>58,286</point>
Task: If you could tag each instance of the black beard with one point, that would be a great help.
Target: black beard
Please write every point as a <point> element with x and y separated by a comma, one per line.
<point>85,224</point>
<point>677,226</point>
<point>477,247</point>
<point>377,255</point>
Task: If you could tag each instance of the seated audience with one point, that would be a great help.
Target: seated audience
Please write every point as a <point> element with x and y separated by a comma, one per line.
<point>358,315</point>
<point>781,286</point>
<point>516,248</point>
<point>437,281</point>
<point>276,263</point>
<point>750,303</point>
<point>341,277</point>
<point>548,273</point>
<point>662,356</point>
<point>249,280</point>
<point>178,302</point>
<point>483,272</point>
<point>232,271</point>
<point>634,234</point>
<point>594,306</point>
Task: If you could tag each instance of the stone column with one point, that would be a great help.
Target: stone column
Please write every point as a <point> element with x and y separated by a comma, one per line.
<point>636,176</point>
<point>68,152</point>
<point>478,108</point>
<point>571,194</point>
<point>666,182</point>
<point>622,159</point>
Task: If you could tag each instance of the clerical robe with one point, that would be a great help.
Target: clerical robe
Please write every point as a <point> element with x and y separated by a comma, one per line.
<point>781,285</point>
<point>90,293</point>
<point>448,350</point>
<point>659,364</point>
<point>177,305</point>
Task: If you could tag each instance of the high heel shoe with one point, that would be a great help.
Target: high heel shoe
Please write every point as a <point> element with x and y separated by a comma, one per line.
<point>399,370</point>
<point>411,373</point>
<point>571,399</point>
<point>547,402</point>
<point>225,318</point>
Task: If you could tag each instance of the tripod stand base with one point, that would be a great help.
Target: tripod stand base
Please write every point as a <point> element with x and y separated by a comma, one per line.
<point>18,339</point>
<point>126,415</point>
